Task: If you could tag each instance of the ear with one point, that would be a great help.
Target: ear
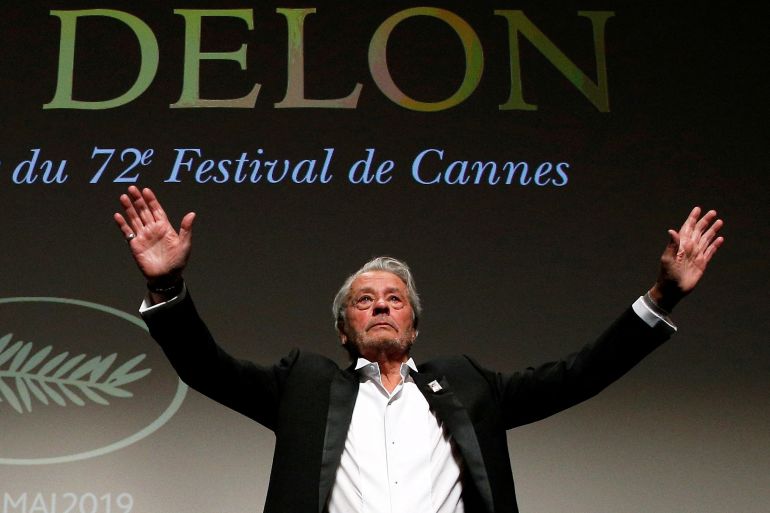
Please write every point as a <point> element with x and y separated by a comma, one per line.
<point>343,337</point>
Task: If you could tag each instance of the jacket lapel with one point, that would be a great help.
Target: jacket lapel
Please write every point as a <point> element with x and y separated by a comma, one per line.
<point>342,399</point>
<point>448,409</point>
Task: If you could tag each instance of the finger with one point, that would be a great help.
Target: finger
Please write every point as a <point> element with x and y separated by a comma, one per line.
<point>154,205</point>
<point>133,192</point>
<point>713,247</point>
<point>705,221</point>
<point>140,205</point>
<point>133,217</point>
<point>123,225</point>
<point>689,223</point>
<point>134,195</point>
<point>709,234</point>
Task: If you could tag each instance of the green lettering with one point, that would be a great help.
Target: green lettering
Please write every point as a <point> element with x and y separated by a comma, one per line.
<point>295,82</point>
<point>148,46</point>
<point>596,92</point>
<point>193,56</point>
<point>474,59</point>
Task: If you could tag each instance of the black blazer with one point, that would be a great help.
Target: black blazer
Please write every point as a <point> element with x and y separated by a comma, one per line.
<point>307,400</point>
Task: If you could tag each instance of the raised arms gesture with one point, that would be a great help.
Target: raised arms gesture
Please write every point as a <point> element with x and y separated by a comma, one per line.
<point>686,257</point>
<point>160,251</point>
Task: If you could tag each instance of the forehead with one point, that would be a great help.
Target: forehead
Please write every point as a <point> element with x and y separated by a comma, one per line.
<point>377,280</point>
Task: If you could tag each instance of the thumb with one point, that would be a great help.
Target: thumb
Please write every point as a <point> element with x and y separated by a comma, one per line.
<point>673,244</point>
<point>673,239</point>
<point>185,228</point>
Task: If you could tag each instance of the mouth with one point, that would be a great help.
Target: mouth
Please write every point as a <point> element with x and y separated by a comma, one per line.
<point>382,324</point>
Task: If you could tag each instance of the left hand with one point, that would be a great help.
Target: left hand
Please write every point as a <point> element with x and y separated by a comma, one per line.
<point>686,257</point>
<point>159,251</point>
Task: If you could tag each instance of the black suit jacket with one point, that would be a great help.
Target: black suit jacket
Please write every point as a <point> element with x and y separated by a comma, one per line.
<point>307,400</point>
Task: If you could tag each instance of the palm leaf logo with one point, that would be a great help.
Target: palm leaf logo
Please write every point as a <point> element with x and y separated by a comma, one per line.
<point>61,378</point>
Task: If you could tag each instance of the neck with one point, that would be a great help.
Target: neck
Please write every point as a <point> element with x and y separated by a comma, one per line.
<point>390,374</point>
<point>390,367</point>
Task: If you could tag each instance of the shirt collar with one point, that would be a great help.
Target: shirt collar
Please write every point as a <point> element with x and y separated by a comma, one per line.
<point>372,369</point>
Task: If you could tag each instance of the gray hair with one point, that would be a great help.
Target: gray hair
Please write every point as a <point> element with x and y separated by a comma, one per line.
<point>382,263</point>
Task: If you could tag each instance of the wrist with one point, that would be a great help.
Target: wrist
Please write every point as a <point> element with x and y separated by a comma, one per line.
<point>164,288</point>
<point>662,298</point>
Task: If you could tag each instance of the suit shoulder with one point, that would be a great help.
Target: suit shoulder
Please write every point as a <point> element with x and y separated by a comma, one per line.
<point>308,361</point>
<point>450,365</point>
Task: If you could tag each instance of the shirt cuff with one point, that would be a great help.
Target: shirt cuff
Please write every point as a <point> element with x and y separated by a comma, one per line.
<point>652,315</point>
<point>147,307</point>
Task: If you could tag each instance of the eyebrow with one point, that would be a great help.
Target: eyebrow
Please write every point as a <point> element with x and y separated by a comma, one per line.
<point>387,290</point>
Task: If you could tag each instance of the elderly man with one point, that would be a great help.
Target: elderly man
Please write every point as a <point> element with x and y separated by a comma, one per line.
<point>385,434</point>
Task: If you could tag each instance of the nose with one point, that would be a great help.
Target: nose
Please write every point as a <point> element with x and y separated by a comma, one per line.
<point>380,307</point>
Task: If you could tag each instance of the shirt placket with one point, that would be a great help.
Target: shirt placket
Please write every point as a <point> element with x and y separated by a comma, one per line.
<point>392,446</point>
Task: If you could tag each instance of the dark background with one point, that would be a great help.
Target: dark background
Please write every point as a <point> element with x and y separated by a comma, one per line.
<point>513,275</point>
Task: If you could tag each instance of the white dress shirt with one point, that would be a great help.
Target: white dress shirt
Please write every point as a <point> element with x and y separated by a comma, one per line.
<point>398,458</point>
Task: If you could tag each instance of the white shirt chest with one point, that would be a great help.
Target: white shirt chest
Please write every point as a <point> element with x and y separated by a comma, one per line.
<point>397,456</point>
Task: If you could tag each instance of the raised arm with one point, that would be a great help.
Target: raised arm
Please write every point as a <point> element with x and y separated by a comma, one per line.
<point>160,252</point>
<point>544,390</point>
<point>686,257</point>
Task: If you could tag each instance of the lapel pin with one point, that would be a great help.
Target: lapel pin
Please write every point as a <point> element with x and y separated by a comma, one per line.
<point>434,386</point>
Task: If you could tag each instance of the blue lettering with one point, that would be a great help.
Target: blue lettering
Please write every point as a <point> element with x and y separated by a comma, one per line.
<point>418,161</point>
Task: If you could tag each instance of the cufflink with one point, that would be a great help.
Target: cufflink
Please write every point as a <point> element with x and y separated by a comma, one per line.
<point>434,386</point>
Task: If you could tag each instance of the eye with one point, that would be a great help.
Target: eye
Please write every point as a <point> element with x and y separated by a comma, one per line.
<point>396,301</point>
<point>363,302</point>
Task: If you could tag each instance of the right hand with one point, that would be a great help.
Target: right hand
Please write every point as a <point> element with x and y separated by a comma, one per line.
<point>160,252</point>
<point>686,257</point>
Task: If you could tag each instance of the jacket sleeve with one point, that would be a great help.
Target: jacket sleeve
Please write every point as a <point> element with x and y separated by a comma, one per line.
<point>247,388</point>
<point>539,392</point>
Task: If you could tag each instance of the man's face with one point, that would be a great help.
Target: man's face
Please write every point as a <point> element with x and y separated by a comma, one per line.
<point>378,316</point>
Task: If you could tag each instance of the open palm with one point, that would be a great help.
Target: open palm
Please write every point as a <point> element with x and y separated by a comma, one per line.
<point>160,252</point>
<point>686,257</point>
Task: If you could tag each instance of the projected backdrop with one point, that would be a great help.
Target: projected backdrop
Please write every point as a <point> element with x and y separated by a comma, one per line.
<point>524,158</point>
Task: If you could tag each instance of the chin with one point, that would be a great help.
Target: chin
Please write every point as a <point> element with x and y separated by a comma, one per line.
<point>383,345</point>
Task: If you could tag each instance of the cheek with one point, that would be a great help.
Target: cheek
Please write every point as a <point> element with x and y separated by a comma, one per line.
<point>356,321</point>
<point>405,320</point>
